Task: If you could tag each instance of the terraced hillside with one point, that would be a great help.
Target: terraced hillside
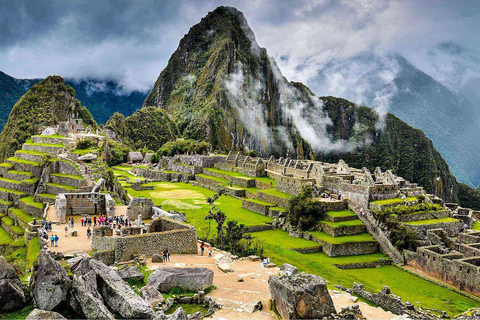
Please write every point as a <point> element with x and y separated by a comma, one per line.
<point>29,182</point>
<point>255,202</point>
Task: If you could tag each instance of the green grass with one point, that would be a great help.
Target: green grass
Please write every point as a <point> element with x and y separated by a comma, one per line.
<point>432,221</point>
<point>6,165</point>
<point>388,201</point>
<point>85,151</point>
<point>10,180</point>
<point>11,224</point>
<point>277,193</point>
<point>22,215</point>
<point>476,225</point>
<point>23,161</point>
<point>76,177</point>
<point>30,200</point>
<point>188,308</point>
<point>12,191</point>
<point>5,202</point>
<point>23,173</point>
<point>33,249</point>
<point>267,180</point>
<point>363,237</point>
<point>56,145</point>
<point>265,203</point>
<point>348,223</point>
<point>48,195</point>
<point>192,201</point>
<point>50,136</point>
<point>31,180</point>
<point>411,199</point>
<point>18,314</point>
<point>4,237</point>
<point>278,209</point>
<point>281,238</point>
<point>341,214</point>
<point>61,186</point>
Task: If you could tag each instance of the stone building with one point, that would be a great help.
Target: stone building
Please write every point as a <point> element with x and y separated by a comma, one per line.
<point>92,203</point>
<point>134,157</point>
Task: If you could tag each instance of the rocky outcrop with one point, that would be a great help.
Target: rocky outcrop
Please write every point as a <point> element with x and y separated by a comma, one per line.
<point>194,279</point>
<point>288,269</point>
<point>301,296</point>
<point>131,273</point>
<point>12,295</point>
<point>80,266</point>
<point>38,314</point>
<point>84,290</point>
<point>118,295</point>
<point>179,314</point>
<point>151,296</point>
<point>50,283</point>
<point>157,258</point>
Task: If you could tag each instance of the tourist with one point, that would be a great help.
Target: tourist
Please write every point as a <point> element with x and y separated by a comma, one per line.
<point>73,223</point>
<point>52,239</point>
<point>34,221</point>
<point>339,197</point>
<point>210,251</point>
<point>50,225</point>
<point>202,248</point>
<point>167,254</point>
<point>95,221</point>
<point>164,256</point>
<point>56,241</point>
<point>465,227</point>
<point>89,232</point>
<point>69,222</point>
<point>66,231</point>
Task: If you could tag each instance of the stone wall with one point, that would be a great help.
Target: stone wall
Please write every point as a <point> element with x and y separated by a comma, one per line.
<point>68,181</point>
<point>83,203</point>
<point>348,249</point>
<point>385,299</point>
<point>107,256</point>
<point>292,185</point>
<point>141,206</point>
<point>343,230</point>
<point>428,215</point>
<point>66,166</point>
<point>50,140</point>
<point>279,201</point>
<point>452,228</point>
<point>255,207</point>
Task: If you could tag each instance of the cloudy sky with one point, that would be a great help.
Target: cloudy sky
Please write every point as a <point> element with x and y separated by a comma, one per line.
<point>131,41</point>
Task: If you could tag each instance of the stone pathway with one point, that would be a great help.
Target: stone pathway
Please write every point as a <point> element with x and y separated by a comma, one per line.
<point>233,295</point>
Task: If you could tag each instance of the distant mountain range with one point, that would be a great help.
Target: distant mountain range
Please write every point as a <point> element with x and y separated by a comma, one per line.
<point>390,83</point>
<point>102,98</point>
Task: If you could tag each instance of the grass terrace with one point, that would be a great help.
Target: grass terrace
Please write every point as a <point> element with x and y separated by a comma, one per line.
<point>363,237</point>
<point>82,152</point>
<point>33,152</point>
<point>22,215</point>
<point>432,221</point>
<point>349,223</point>
<point>277,193</point>
<point>61,186</point>
<point>341,214</point>
<point>19,193</point>
<point>6,165</point>
<point>10,180</point>
<point>47,195</point>
<point>4,202</point>
<point>72,176</point>
<point>31,180</point>
<point>4,237</point>
<point>30,201</point>
<point>45,144</point>
<point>11,224</point>
<point>265,203</point>
<point>51,136</point>
<point>476,225</point>
<point>16,160</point>
<point>394,201</point>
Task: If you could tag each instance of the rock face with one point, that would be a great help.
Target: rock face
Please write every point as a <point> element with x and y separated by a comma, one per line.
<point>288,269</point>
<point>179,314</point>
<point>84,290</point>
<point>157,258</point>
<point>194,279</point>
<point>118,295</point>
<point>80,266</point>
<point>38,314</point>
<point>132,273</point>
<point>50,283</point>
<point>12,295</point>
<point>301,296</point>
<point>151,296</point>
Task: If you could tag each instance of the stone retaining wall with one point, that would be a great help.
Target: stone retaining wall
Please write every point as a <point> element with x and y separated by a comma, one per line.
<point>361,265</point>
<point>29,156</point>
<point>206,181</point>
<point>17,220</point>
<point>343,230</point>
<point>348,249</point>
<point>452,228</point>
<point>423,216</point>
<point>279,201</point>
<point>234,192</point>
<point>68,181</point>
<point>258,228</point>
<point>8,196</point>
<point>308,250</point>
<point>17,176</point>
<point>67,167</point>
<point>22,186</point>
<point>263,185</point>
<point>42,148</point>
<point>292,185</point>
<point>30,209</point>
<point>4,208</point>
<point>50,140</point>
<point>255,207</point>
<point>106,256</point>
<point>36,170</point>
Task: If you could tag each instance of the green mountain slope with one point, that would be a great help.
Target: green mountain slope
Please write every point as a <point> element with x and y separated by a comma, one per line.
<point>46,103</point>
<point>147,127</point>
<point>220,86</point>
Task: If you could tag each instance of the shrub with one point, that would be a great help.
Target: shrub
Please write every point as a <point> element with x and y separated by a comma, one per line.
<point>304,211</point>
<point>182,146</point>
<point>84,144</point>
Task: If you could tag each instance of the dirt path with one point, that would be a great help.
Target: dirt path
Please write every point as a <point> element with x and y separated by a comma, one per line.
<point>233,295</point>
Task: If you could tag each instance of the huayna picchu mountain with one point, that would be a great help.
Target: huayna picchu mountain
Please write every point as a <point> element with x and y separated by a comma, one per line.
<point>221,87</point>
<point>45,104</point>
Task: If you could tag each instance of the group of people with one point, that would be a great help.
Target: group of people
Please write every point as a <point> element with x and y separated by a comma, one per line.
<point>166,256</point>
<point>202,250</point>
<point>54,240</point>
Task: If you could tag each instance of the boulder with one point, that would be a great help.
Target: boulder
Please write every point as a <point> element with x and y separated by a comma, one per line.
<point>179,314</point>
<point>288,269</point>
<point>38,314</point>
<point>157,258</point>
<point>12,291</point>
<point>151,296</point>
<point>131,273</point>
<point>50,283</point>
<point>80,265</point>
<point>301,296</point>
<point>253,306</point>
<point>118,295</point>
<point>84,290</point>
<point>194,279</point>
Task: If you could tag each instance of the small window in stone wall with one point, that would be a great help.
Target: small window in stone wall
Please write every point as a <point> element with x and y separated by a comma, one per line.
<point>468,270</point>
<point>433,258</point>
<point>423,254</point>
<point>461,268</point>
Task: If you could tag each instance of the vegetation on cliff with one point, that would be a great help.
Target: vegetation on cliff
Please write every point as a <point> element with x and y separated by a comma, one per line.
<point>147,127</point>
<point>46,103</point>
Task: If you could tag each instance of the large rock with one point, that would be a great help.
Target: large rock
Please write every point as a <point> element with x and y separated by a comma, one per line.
<point>80,265</point>
<point>38,314</point>
<point>84,290</point>
<point>131,273</point>
<point>50,283</point>
<point>157,258</point>
<point>194,279</point>
<point>288,269</point>
<point>301,296</point>
<point>179,314</point>
<point>12,293</point>
<point>151,296</point>
<point>118,295</point>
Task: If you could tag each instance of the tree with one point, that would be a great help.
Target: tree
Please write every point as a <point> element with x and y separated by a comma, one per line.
<point>234,234</point>
<point>304,211</point>
<point>215,214</point>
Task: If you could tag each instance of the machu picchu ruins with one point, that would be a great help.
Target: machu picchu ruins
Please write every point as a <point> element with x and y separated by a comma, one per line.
<point>222,187</point>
